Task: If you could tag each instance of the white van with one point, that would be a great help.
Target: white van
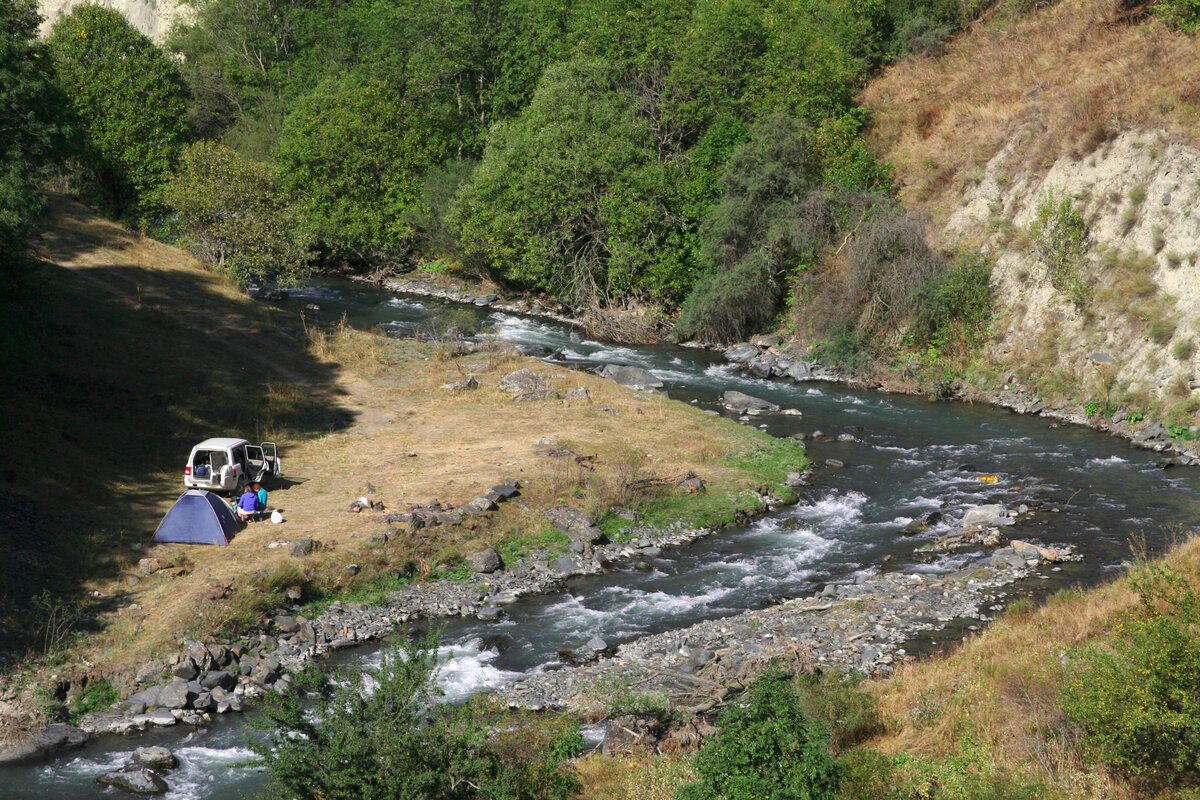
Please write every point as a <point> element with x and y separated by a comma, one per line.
<point>230,465</point>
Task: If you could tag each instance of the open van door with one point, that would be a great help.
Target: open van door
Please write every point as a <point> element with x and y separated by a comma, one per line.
<point>271,458</point>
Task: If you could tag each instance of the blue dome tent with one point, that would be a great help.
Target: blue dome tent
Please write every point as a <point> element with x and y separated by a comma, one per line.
<point>198,517</point>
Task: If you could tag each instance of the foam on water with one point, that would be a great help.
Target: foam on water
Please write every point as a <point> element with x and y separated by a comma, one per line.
<point>468,669</point>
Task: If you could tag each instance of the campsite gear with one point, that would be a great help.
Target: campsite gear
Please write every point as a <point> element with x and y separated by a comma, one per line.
<point>230,465</point>
<point>198,517</point>
<point>276,517</point>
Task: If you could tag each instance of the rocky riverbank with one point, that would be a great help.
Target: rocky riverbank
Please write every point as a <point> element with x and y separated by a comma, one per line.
<point>866,626</point>
<point>771,357</point>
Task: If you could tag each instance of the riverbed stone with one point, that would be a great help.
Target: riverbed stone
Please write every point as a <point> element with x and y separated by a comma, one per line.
<point>219,678</point>
<point>286,623</point>
<point>138,780</point>
<point>155,757</point>
<point>633,377</point>
<point>741,402</point>
<point>983,516</point>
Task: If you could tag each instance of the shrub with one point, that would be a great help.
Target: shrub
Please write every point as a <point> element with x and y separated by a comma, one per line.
<point>834,699</point>
<point>96,696</point>
<point>1138,702</point>
<point>1061,241</point>
<point>1182,15</point>
<point>378,734</point>
<point>955,307</point>
<point>766,749</point>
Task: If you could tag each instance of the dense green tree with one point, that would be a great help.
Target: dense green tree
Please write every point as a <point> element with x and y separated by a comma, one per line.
<point>378,735</point>
<point>234,214</point>
<point>772,219</point>
<point>354,152</point>
<point>31,129</point>
<point>570,197</point>
<point>718,58</point>
<point>129,99</point>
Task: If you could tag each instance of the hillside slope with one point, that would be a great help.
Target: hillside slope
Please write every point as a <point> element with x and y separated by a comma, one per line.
<point>1074,101</point>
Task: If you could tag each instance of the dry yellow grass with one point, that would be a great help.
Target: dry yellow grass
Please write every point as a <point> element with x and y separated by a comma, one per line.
<point>1071,75</point>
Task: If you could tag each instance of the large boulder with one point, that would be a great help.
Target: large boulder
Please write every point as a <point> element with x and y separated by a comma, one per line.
<point>633,377</point>
<point>156,757</point>
<point>800,370</point>
<point>741,353</point>
<point>485,561</point>
<point>138,780</point>
<point>174,694</point>
<point>43,744</point>
<point>743,402</point>
<point>525,381</point>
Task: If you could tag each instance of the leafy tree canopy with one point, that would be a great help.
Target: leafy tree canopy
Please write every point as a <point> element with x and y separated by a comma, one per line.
<point>130,101</point>
<point>31,126</point>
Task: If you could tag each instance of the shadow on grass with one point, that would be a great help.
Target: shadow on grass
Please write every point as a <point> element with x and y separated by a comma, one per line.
<point>109,375</point>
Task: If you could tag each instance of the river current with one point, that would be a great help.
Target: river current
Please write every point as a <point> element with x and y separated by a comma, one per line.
<point>913,456</point>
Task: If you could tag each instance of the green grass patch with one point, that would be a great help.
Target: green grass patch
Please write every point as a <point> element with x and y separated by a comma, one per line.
<point>98,696</point>
<point>763,460</point>
<point>514,548</point>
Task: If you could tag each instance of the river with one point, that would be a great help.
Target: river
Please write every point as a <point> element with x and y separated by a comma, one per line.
<point>1095,493</point>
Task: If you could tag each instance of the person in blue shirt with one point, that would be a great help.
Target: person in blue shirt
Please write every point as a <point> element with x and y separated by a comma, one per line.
<point>247,505</point>
<point>261,493</point>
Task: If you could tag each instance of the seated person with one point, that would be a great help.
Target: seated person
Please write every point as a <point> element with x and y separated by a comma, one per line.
<point>247,505</point>
<point>261,493</point>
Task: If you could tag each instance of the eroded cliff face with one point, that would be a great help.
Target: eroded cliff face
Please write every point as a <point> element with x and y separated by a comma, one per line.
<point>152,17</point>
<point>1135,334</point>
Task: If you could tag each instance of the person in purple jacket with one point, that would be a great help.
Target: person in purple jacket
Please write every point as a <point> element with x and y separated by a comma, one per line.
<point>247,505</point>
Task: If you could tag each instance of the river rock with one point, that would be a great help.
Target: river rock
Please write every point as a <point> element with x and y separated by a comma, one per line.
<point>800,370</point>
<point>741,353</point>
<point>763,366</point>
<point>983,516</point>
<point>138,780</point>
<point>633,377</point>
<point>174,694</point>
<point>504,491</point>
<point>568,565</point>
<point>480,506</point>
<point>186,668</point>
<point>220,678</point>
<point>155,757</point>
<point>286,623</point>
<point>740,402</point>
<point>1006,557</point>
<point>302,547</point>
<point>524,381</point>
<point>489,613</point>
<point>45,743</point>
<point>485,561</point>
